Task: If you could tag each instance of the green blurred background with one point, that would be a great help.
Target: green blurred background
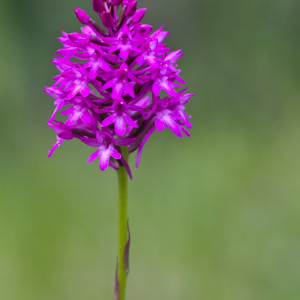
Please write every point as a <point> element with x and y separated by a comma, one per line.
<point>214,216</point>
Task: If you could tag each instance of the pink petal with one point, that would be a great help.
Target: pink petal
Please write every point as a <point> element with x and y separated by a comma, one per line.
<point>131,122</point>
<point>117,90</point>
<point>109,120</point>
<point>93,71</point>
<point>114,153</point>
<point>75,90</point>
<point>120,126</point>
<point>124,51</point>
<point>104,159</point>
<point>104,65</point>
<point>55,146</point>
<point>173,126</point>
<point>85,91</point>
<point>159,124</point>
<point>156,88</point>
<point>86,118</point>
<point>168,89</point>
<point>129,90</point>
<point>93,156</point>
<point>174,56</point>
<point>108,84</point>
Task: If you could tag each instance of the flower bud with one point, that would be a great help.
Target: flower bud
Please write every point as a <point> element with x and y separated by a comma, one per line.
<point>144,29</point>
<point>98,6</point>
<point>117,2</point>
<point>82,16</point>
<point>131,8</point>
<point>107,19</point>
<point>139,15</point>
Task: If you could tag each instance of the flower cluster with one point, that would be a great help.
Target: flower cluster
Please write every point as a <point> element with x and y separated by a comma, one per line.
<point>116,84</point>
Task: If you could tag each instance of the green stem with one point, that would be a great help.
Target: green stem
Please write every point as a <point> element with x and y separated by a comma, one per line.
<point>122,178</point>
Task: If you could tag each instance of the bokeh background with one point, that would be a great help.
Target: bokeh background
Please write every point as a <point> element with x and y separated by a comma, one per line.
<point>214,216</point>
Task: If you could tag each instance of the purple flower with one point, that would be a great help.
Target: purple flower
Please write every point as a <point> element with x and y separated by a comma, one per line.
<point>120,117</point>
<point>121,81</point>
<point>111,76</point>
<point>106,149</point>
<point>80,110</point>
<point>125,42</point>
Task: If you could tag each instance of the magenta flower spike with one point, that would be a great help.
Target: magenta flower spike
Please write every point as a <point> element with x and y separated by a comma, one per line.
<point>118,83</point>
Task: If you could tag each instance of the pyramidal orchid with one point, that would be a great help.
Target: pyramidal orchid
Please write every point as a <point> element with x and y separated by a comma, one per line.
<point>118,83</point>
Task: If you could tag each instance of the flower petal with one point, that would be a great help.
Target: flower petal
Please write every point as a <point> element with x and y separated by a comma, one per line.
<point>93,156</point>
<point>109,120</point>
<point>120,125</point>
<point>114,153</point>
<point>117,90</point>
<point>104,159</point>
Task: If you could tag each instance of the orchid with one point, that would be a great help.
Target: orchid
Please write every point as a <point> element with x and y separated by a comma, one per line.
<point>118,83</point>
<point>106,73</point>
